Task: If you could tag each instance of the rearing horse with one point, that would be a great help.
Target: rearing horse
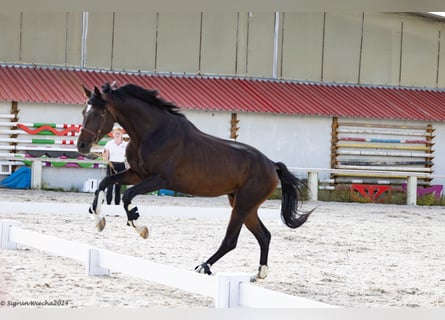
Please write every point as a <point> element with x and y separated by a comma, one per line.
<point>166,151</point>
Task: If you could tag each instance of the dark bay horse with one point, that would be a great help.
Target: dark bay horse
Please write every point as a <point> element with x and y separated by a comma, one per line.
<point>166,151</point>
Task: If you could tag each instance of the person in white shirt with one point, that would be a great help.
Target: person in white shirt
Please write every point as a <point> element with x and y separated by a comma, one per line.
<point>114,155</point>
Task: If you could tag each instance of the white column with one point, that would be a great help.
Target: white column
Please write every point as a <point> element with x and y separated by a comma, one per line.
<point>276,45</point>
<point>312,184</point>
<point>83,42</point>
<point>411,191</point>
<point>36,174</point>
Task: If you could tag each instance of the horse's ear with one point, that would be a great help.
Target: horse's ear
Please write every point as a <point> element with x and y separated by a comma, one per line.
<point>106,88</point>
<point>97,91</point>
<point>87,92</point>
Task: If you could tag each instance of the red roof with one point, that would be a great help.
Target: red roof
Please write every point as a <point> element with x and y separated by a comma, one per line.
<point>63,85</point>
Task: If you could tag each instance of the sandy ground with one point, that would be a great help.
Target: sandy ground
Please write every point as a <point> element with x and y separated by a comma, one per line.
<point>349,255</point>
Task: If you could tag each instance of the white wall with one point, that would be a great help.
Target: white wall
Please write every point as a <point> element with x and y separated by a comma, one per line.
<point>214,123</point>
<point>70,179</point>
<point>298,141</point>
<point>50,113</point>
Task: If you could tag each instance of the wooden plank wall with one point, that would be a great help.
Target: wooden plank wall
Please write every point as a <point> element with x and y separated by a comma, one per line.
<point>379,146</point>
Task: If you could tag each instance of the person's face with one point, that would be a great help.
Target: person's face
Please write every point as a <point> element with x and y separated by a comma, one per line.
<point>117,135</point>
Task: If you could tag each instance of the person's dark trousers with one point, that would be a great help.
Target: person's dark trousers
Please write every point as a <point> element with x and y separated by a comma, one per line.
<point>112,169</point>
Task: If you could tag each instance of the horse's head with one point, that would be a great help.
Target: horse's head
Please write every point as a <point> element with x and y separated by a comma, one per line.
<point>97,121</point>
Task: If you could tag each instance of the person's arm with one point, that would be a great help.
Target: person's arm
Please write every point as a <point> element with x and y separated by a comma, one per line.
<point>106,155</point>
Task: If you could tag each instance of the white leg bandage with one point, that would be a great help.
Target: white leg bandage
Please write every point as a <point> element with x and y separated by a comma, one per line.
<point>100,200</point>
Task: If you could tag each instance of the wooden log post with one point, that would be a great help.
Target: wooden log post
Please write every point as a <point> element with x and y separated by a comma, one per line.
<point>14,112</point>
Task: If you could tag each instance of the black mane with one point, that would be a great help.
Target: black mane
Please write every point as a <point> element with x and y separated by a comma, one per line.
<point>149,96</point>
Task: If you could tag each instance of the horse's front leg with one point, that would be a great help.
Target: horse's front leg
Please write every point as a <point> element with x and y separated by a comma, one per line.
<point>96,205</point>
<point>145,186</point>
<point>123,178</point>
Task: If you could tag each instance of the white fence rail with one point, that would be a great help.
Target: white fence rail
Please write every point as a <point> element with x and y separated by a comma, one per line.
<point>411,179</point>
<point>228,290</point>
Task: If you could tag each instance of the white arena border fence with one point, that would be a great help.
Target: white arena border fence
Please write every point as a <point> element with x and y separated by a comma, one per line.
<point>229,290</point>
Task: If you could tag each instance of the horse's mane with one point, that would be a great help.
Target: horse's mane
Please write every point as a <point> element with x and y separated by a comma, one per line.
<point>148,96</point>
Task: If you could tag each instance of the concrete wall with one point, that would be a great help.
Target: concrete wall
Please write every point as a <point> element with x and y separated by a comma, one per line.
<point>380,48</point>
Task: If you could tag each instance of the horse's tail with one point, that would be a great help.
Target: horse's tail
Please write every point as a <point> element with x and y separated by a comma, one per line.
<point>291,191</point>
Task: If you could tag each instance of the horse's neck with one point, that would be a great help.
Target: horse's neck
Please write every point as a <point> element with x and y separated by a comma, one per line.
<point>139,122</point>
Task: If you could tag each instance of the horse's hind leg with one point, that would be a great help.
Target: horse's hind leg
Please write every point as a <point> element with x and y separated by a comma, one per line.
<point>263,236</point>
<point>231,197</point>
<point>229,242</point>
<point>245,202</point>
<point>243,206</point>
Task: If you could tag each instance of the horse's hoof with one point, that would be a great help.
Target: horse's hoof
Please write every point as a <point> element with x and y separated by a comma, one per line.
<point>143,232</point>
<point>263,272</point>
<point>100,224</point>
<point>203,268</point>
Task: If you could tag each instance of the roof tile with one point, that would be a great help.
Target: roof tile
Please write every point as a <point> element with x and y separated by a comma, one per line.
<point>64,86</point>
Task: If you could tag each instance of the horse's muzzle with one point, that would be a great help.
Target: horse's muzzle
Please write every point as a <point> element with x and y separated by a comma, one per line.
<point>83,147</point>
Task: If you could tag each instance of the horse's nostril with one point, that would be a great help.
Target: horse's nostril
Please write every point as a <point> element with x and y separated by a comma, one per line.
<point>82,147</point>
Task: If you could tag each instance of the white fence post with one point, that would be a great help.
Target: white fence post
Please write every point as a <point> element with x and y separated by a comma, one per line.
<point>312,183</point>
<point>92,263</point>
<point>36,174</point>
<point>411,191</point>
<point>228,289</point>
<point>5,228</point>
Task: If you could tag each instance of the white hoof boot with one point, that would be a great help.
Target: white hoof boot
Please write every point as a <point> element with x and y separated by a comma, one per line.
<point>263,272</point>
